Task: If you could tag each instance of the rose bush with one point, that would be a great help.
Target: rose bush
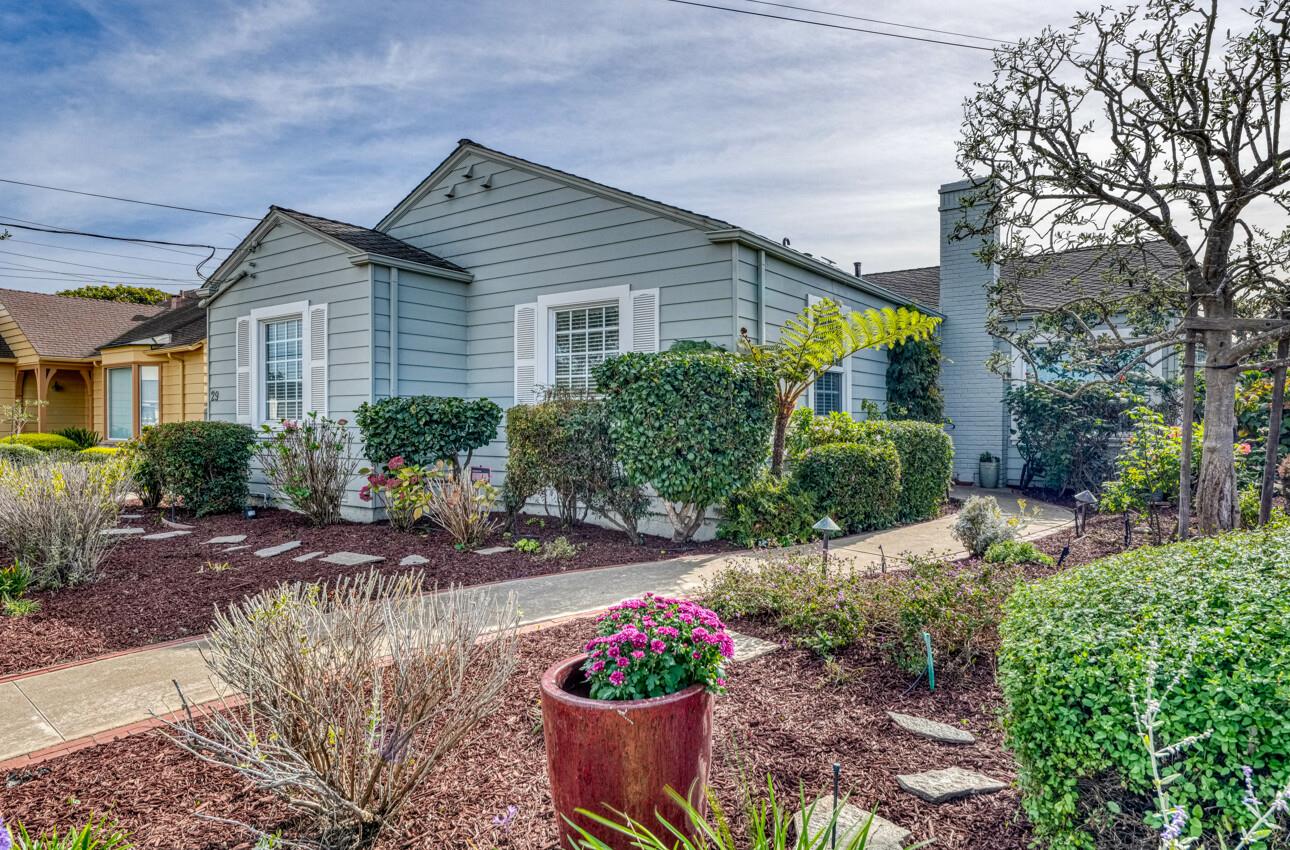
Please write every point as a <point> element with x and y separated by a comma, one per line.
<point>655,646</point>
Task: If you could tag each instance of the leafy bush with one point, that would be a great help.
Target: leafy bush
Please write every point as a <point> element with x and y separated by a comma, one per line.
<point>95,835</point>
<point>368,679</point>
<point>404,492</point>
<point>559,549</point>
<point>767,512</point>
<point>43,442</point>
<point>16,453</point>
<point>1016,552</point>
<point>84,438</point>
<point>460,506</point>
<point>147,481</point>
<point>858,484</point>
<point>913,381</point>
<point>1073,643</point>
<point>695,427</point>
<point>528,545</point>
<point>655,646</point>
<point>959,608</point>
<point>1149,463</point>
<point>310,461</point>
<point>14,580</point>
<point>53,515</point>
<point>206,465</point>
<point>424,430</point>
<point>97,453</point>
<point>19,607</point>
<point>980,524</point>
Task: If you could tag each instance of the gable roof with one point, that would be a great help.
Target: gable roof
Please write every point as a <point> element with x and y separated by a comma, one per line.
<point>63,326</point>
<point>1049,280</point>
<point>367,240</point>
<point>181,322</point>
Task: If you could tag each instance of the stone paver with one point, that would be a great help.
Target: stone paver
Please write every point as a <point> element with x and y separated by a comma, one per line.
<point>748,647</point>
<point>951,783</point>
<point>22,728</point>
<point>227,538</point>
<point>351,559</point>
<point>308,556</point>
<point>130,516</point>
<point>277,550</point>
<point>924,728</point>
<point>179,526</point>
<point>164,535</point>
<point>883,834</point>
<point>493,550</point>
<point>122,532</point>
<point>236,548</point>
<point>413,561</point>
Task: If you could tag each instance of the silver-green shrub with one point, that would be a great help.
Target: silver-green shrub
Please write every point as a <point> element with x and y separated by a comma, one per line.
<point>981,524</point>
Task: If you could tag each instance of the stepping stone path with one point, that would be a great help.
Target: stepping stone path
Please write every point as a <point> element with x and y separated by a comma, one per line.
<point>277,550</point>
<point>122,532</point>
<point>494,550</point>
<point>130,516</point>
<point>413,560</point>
<point>176,525</point>
<point>228,538</point>
<point>941,786</point>
<point>747,647</point>
<point>235,548</point>
<point>351,559</point>
<point>932,730</point>
<point>883,834</point>
<point>164,535</point>
<point>308,556</point>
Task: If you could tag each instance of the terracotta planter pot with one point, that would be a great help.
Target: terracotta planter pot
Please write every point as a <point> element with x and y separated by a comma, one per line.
<point>622,754</point>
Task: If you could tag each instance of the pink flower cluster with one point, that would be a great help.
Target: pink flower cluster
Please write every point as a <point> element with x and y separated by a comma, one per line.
<point>654,646</point>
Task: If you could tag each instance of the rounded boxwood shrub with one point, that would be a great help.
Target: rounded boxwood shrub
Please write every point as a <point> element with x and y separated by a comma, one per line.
<point>44,442</point>
<point>858,484</point>
<point>205,464</point>
<point>1073,645</point>
<point>18,453</point>
<point>767,512</point>
<point>425,429</point>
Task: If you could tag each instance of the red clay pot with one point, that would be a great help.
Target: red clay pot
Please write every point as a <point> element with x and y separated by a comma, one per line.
<point>622,754</point>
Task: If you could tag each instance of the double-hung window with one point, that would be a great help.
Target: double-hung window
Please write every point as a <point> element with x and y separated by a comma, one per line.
<point>828,393</point>
<point>133,400</point>
<point>584,337</point>
<point>283,387</point>
<point>281,356</point>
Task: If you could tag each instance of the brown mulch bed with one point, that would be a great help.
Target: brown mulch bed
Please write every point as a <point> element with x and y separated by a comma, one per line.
<point>786,715</point>
<point>158,590</point>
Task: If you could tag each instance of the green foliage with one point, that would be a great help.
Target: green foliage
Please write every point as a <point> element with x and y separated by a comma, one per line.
<point>96,454</point>
<point>858,484</point>
<point>980,524</point>
<point>14,580</point>
<point>84,438</point>
<point>206,465</point>
<point>118,292</point>
<point>913,381</point>
<point>693,346</point>
<point>1068,442</point>
<point>767,512</point>
<point>527,545</point>
<point>692,426</point>
<point>19,607</point>
<point>310,462</point>
<point>559,549</point>
<point>404,492</point>
<point>1213,610</point>
<point>147,480</point>
<point>43,442</point>
<point>425,429</point>
<point>1016,552</point>
<point>1253,410</point>
<point>95,835</point>
<point>18,453</point>
<point>1149,463</point>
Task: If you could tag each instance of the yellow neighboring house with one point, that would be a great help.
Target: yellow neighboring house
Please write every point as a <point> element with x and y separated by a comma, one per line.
<point>110,367</point>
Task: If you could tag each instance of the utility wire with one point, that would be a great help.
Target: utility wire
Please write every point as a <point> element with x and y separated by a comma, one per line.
<point>127,200</point>
<point>23,267</point>
<point>834,26</point>
<point>59,229</point>
<point>4,252</point>
<point>156,284</point>
<point>100,253</point>
<point>114,238</point>
<point>877,21</point>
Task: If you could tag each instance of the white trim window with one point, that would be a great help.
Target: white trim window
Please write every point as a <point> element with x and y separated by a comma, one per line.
<point>281,358</point>
<point>284,368</point>
<point>582,338</point>
<point>120,401</point>
<point>149,396</point>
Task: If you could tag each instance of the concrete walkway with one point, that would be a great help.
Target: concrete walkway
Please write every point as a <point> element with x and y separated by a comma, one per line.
<point>73,706</point>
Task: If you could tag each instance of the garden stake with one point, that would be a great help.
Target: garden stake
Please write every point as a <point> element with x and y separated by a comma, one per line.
<point>1128,530</point>
<point>837,778</point>
<point>1066,550</point>
<point>931,665</point>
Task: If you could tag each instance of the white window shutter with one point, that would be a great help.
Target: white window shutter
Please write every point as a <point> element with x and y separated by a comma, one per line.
<point>318,359</point>
<point>644,317</point>
<point>242,353</point>
<point>525,353</point>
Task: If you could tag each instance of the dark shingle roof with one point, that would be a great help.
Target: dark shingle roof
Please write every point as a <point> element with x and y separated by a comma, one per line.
<point>366,239</point>
<point>1052,279</point>
<point>61,326</point>
<point>183,321</point>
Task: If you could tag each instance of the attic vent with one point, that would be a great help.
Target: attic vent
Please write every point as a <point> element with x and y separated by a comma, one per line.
<point>451,193</point>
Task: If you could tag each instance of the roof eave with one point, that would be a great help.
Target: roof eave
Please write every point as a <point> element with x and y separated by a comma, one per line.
<point>796,258</point>
<point>410,265</point>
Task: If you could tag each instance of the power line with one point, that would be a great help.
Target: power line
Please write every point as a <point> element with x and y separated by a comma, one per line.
<point>114,238</point>
<point>23,267</point>
<point>5,252</point>
<point>834,26</point>
<point>127,200</point>
<point>100,253</point>
<point>59,229</point>
<point>124,281</point>
<point>877,21</point>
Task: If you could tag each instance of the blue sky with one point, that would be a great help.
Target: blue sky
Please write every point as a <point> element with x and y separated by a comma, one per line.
<point>837,140</point>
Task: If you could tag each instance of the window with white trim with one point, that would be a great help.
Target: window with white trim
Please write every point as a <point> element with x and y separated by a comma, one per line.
<point>120,401</point>
<point>583,338</point>
<point>283,369</point>
<point>149,396</point>
<point>828,393</point>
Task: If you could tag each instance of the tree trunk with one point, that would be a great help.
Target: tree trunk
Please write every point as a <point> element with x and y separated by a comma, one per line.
<point>782,415</point>
<point>1216,489</point>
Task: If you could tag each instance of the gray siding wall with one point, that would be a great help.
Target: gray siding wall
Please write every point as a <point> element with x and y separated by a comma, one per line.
<point>973,394</point>
<point>429,319</point>
<point>291,265</point>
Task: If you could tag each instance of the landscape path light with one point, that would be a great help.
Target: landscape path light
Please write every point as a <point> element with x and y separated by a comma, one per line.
<point>827,528</point>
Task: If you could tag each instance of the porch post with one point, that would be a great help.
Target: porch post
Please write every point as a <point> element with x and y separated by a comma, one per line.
<point>43,374</point>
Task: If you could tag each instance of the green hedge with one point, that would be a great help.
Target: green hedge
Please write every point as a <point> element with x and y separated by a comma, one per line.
<point>205,464</point>
<point>425,429</point>
<point>767,512</point>
<point>44,442</point>
<point>1074,643</point>
<point>858,484</point>
<point>18,453</point>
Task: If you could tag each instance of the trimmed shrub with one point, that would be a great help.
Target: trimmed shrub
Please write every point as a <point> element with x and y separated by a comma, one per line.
<point>206,465</point>
<point>695,427</point>
<point>98,453</point>
<point>43,442</point>
<point>980,524</point>
<point>424,429</point>
<point>18,453</point>
<point>1016,552</point>
<point>84,438</point>
<point>1211,611</point>
<point>858,484</point>
<point>767,512</point>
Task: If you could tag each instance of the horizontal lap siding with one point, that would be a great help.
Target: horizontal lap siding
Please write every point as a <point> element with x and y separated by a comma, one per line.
<point>431,335</point>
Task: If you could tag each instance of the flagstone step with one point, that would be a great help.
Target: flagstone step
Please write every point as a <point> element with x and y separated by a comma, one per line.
<point>883,834</point>
<point>931,729</point>
<point>951,783</point>
<point>277,550</point>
